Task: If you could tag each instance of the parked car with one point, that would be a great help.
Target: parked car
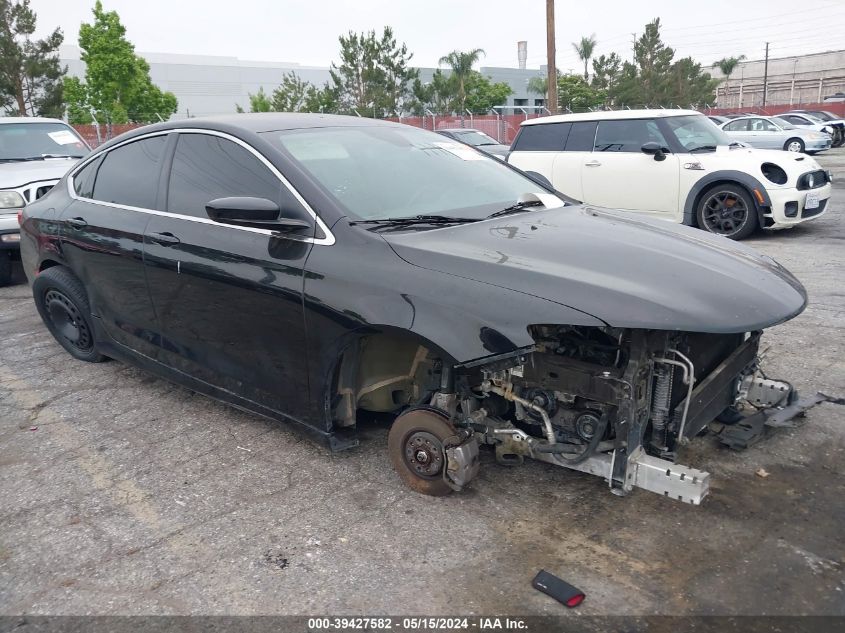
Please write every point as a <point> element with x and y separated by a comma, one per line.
<point>836,97</point>
<point>769,132</point>
<point>674,165</point>
<point>836,122</point>
<point>476,139</point>
<point>307,267</point>
<point>809,122</point>
<point>34,153</point>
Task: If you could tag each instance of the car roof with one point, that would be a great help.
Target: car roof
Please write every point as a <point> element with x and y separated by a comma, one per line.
<point>609,115</point>
<point>28,119</point>
<point>273,121</point>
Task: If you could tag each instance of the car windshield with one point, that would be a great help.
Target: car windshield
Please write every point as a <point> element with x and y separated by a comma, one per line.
<point>379,172</point>
<point>783,123</point>
<point>34,141</point>
<point>474,137</point>
<point>696,132</point>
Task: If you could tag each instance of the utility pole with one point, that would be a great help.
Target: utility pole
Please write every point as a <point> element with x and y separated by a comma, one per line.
<point>765,74</point>
<point>551,82</point>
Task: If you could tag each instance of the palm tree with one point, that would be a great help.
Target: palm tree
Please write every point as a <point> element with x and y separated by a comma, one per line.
<point>727,65</point>
<point>461,64</point>
<point>585,49</point>
<point>538,86</point>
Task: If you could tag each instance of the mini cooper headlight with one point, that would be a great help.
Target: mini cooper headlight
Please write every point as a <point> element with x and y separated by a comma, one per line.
<point>11,200</point>
<point>813,179</point>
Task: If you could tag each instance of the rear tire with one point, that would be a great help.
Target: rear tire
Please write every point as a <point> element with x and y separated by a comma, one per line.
<point>415,445</point>
<point>5,267</point>
<point>794,145</point>
<point>727,210</point>
<point>63,306</point>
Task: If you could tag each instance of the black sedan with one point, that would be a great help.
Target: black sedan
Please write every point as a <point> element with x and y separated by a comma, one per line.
<point>310,267</point>
<point>477,139</point>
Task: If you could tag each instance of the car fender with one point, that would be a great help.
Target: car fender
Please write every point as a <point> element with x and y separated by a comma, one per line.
<point>749,182</point>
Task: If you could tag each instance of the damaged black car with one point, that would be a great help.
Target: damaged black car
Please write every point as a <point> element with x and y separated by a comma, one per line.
<point>310,268</point>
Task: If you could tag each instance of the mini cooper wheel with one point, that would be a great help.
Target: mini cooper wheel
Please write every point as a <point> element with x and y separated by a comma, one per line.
<point>794,145</point>
<point>63,306</point>
<point>5,267</point>
<point>415,445</point>
<point>727,210</point>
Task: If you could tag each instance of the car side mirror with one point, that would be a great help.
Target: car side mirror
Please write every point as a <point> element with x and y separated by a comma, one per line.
<point>258,213</point>
<point>654,149</point>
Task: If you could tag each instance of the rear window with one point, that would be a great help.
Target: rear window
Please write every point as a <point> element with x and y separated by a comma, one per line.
<point>581,137</point>
<point>545,137</point>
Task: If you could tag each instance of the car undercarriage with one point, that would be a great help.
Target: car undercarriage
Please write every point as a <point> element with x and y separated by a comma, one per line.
<point>617,403</point>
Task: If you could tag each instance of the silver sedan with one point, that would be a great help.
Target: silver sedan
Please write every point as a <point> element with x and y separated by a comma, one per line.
<point>769,132</point>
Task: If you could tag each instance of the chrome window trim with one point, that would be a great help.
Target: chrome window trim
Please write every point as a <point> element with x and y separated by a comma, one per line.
<point>328,240</point>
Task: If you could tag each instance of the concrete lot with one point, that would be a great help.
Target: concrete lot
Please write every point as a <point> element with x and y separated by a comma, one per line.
<point>123,494</point>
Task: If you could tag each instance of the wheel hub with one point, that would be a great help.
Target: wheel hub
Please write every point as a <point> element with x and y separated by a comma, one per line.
<point>424,454</point>
<point>67,320</point>
<point>724,213</point>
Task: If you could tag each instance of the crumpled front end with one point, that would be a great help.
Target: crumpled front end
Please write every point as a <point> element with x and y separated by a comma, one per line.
<point>620,403</point>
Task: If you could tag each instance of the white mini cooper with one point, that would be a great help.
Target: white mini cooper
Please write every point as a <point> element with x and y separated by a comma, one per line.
<point>674,165</point>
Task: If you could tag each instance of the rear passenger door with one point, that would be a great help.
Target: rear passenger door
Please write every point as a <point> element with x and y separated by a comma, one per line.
<point>619,175</point>
<point>569,164</point>
<point>102,230</point>
<point>536,150</point>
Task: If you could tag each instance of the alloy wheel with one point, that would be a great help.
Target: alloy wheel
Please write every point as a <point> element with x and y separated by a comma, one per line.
<point>724,213</point>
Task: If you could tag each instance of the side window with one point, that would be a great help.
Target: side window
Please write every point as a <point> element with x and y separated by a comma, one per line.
<point>206,167</point>
<point>627,135</point>
<point>737,126</point>
<point>543,137</point>
<point>581,137</point>
<point>83,180</point>
<point>129,174</point>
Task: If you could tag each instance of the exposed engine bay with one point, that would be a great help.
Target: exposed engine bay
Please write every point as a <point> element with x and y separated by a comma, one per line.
<point>618,403</point>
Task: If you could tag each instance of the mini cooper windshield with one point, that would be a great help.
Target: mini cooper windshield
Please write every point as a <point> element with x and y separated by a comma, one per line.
<point>697,133</point>
<point>388,173</point>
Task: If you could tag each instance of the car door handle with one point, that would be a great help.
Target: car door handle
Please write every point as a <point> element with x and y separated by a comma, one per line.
<point>76,223</point>
<point>593,163</point>
<point>165,239</point>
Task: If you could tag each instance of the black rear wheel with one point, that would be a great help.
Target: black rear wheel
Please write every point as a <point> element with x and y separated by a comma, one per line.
<point>63,306</point>
<point>727,210</point>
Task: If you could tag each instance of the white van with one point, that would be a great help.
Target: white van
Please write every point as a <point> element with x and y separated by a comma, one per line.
<point>674,165</point>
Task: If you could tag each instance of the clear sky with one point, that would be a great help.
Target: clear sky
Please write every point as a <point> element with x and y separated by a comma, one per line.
<point>306,31</point>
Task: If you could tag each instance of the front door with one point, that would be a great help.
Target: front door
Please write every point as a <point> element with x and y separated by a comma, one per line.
<point>618,175</point>
<point>102,234</point>
<point>228,299</point>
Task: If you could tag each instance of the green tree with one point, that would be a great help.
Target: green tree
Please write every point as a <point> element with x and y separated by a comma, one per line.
<point>292,94</point>
<point>606,72</point>
<point>258,102</point>
<point>577,95</point>
<point>373,77</point>
<point>728,65</point>
<point>585,49</point>
<point>438,95</point>
<point>482,94</point>
<point>461,64</point>
<point>653,78</point>
<point>538,86</point>
<point>117,85</point>
<point>30,73</point>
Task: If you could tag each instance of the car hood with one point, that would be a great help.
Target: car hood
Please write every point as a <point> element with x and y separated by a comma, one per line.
<point>628,272</point>
<point>18,174</point>
<point>749,159</point>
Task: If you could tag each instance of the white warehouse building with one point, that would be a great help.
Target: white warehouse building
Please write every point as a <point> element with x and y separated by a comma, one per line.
<point>207,84</point>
